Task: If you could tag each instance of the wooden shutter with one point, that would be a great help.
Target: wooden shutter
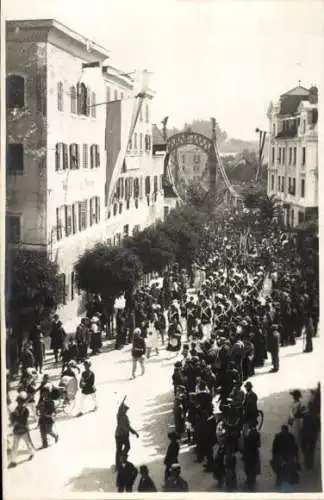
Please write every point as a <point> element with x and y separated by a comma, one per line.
<point>65,156</point>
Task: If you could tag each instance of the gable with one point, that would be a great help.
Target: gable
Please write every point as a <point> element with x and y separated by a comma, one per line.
<point>296,91</point>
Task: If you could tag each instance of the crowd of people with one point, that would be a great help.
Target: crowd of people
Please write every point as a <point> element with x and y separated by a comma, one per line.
<point>221,324</point>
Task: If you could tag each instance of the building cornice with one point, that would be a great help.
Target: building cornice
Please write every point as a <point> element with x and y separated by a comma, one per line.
<point>52,31</point>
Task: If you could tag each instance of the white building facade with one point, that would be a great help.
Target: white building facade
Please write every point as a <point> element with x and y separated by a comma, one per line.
<point>58,85</point>
<point>293,154</point>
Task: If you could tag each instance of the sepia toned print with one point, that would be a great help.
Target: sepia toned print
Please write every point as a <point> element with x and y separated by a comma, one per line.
<point>162,319</point>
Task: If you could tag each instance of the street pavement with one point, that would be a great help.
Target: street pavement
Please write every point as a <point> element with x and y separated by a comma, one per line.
<point>83,459</point>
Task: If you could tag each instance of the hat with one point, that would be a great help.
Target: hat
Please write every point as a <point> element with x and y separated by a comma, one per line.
<point>296,393</point>
<point>248,384</point>
<point>22,396</point>
<point>172,435</point>
<point>175,467</point>
<point>87,363</point>
<point>137,331</point>
<point>94,319</point>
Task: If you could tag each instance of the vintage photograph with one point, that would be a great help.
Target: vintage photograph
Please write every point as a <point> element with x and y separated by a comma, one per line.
<point>161,322</point>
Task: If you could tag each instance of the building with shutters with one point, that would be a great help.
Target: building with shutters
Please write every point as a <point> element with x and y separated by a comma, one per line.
<point>293,153</point>
<point>58,91</point>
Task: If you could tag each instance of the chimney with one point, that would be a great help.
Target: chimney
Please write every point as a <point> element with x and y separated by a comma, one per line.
<point>313,95</point>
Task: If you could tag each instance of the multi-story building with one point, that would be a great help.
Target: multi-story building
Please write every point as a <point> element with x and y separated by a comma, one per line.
<point>193,163</point>
<point>60,95</point>
<point>293,153</point>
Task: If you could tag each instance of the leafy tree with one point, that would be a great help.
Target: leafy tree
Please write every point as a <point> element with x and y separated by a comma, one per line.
<point>153,247</point>
<point>33,289</point>
<point>108,272</point>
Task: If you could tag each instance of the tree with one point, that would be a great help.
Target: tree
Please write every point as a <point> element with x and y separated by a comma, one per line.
<point>108,272</point>
<point>33,289</point>
<point>153,248</point>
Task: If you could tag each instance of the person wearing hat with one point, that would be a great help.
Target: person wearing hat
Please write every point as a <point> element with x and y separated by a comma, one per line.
<point>46,411</point>
<point>296,415</point>
<point>138,351</point>
<point>175,483</point>
<point>126,475</point>
<point>122,432</point>
<point>57,336</point>
<point>172,453</point>
<point>146,484</point>
<point>250,405</point>
<point>285,458</point>
<point>274,346</point>
<point>87,385</point>
<point>19,421</point>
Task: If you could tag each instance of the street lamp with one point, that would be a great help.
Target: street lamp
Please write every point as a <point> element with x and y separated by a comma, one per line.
<point>262,136</point>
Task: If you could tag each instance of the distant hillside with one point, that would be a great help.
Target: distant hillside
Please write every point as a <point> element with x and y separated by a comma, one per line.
<point>237,146</point>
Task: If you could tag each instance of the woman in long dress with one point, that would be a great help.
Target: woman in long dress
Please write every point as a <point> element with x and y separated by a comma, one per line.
<point>152,341</point>
<point>295,415</point>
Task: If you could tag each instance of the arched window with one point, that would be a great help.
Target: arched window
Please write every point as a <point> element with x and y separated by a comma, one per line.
<point>82,99</point>
<point>73,96</point>
<point>60,96</point>
<point>15,91</point>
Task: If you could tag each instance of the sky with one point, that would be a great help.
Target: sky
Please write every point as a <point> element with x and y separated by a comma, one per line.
<point>226,59</point>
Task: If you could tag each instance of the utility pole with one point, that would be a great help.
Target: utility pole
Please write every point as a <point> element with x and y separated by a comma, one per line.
<point>262,137</point>
<point>212,160</point>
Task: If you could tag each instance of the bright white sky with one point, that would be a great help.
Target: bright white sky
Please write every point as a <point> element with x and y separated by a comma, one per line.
<point>226,59</point>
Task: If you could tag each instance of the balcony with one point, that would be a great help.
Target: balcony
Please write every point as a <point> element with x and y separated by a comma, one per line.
<point>287,133</point>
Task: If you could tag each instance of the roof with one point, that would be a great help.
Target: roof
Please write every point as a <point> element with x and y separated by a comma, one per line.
<point>157,136</point>
<point>289,104</point>
<point>48,25</point>
<point>299,90</point>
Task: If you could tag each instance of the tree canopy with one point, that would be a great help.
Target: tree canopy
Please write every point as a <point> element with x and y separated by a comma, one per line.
<point>33,287</point>
<point>108,271</point>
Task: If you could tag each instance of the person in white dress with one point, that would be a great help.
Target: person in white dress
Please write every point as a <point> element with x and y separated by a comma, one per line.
<point>295,415</point>
<point>152,340</point>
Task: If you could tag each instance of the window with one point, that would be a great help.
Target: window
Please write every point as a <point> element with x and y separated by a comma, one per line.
<point>83,215</point>
<point>147,113</point>
<point>94,156</point>
<point>289,185</point>
<point>68,220</point>
<point>279,156</point>
<point>126,230</point>
<point>115,209</point>
<point>147,143</point>
<point>120,208</point>
<point>290,156</point>
<point>122,95</point>
<point>295,156</point>
<point>85,154</point>
<point>62,289</point>
<point>135,140</point>
<point>73,285</point>
<point>304,126</point>
<point>97,208</point>
<point>141,141</point>
<point>15,91</point>
<point>155,184</point>
<point>92,213</point>
<point>60,96</point>
<point>292,217</point>
<point>115,95</point>
<point>304,156</point>
<point>282,184</point>
<point>13,228</point>
<point>166,211</point>
<point>130,144</point>
<point>73,96</point>
<point>93,109</point>
<point>274,129</point>
<point>74,156</point>
<point>59,224</point>
<point>293,186</point>
<point>82,99</point>
<point>183,158</point>
<point>141,113</point>
<point>15,158</point>
<point>301,217</point>
<point>302,188</point>
<point>272,182</point>
<point>136,229</point>
<point>147,185</point>
<point>59,156</point>
<point>283,156</point>
<point>279,182</point>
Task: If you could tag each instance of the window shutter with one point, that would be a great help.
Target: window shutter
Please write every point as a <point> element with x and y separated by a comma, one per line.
<point>65,156</point>
<point>85,155</point>
<point>91,211</point>
<point>58,225</point>
<point>97,152</point>
<point>141,187</point>
<point>74,218</point>
<point>57,157</point>
<point>97,209</point>
<point>93,104</point>
<point>88,102</point>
